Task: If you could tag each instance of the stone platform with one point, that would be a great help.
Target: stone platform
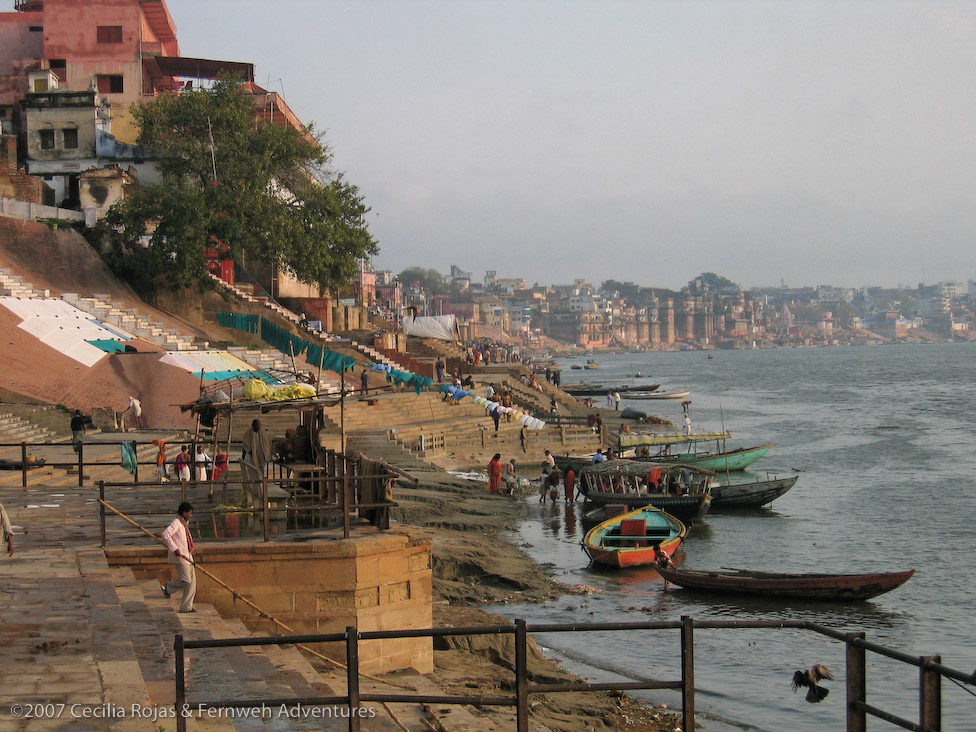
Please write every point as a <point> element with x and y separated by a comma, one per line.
<point>94,643</point>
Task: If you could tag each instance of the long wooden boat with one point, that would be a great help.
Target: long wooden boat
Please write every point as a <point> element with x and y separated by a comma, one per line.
<point>832,587</point>
<point>738,459</point>
<point>754,494</point>
<point>631,539</point>
<point>681,490</point>
<point>602,389</point>
<point>673,394</point>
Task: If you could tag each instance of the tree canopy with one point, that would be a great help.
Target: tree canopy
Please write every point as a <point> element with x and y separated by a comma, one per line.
<point>430,279</point>
<point>231,180</point>
<point>713,281</point>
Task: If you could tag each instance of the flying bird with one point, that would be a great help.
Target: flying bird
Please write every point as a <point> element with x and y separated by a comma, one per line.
<point>809,679</point>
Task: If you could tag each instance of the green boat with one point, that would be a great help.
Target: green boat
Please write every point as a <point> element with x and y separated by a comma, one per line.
<point>719,462</point>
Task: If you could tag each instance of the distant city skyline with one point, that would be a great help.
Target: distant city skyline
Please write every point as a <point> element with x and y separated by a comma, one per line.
<point>813,142</point>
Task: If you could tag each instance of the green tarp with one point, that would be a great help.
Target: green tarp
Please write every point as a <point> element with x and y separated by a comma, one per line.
<point>109,346</point>
<point>239,321</point>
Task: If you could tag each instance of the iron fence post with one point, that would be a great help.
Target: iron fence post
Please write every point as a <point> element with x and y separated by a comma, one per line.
<point>135,450</point>
<point>521,678</point>
<point>688,672</point>
<point>857,684</point>
<point>264,508</point>
<point>930,695</point>
<point>101,508</point>
<point>180,703</point>
<point>352,676</point>
<point>23,464</point>
<point>81,464</point>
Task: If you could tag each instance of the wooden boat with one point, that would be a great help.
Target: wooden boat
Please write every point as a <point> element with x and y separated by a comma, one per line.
<point>578,390</point>
<point>753,494</point>
<point>833,587</point>
<point>720,462</point>
<point>630,540</point>
<point>681,490</point>
<point>591,364</point>
<point>673,394</point>
<point>687,509</point>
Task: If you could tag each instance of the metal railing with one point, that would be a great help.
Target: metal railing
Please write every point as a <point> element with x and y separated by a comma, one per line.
<point>334,494</point>
<point>858,709</point>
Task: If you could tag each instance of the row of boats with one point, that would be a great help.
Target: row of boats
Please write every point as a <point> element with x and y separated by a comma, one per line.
<point>641,509</point>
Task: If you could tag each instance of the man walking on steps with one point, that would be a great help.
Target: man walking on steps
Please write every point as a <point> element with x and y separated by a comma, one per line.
<point>178,541</point>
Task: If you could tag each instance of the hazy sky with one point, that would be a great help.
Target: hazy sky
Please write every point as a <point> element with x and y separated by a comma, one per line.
<point>809,142</point>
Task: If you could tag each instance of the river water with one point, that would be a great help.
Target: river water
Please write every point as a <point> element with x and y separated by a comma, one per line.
<point>884,439</point>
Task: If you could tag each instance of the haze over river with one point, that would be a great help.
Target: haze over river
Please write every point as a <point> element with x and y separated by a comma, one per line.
<point>885,439</point>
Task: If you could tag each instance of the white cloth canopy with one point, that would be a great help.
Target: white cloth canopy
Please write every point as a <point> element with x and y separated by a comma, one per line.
<point>443,327</point>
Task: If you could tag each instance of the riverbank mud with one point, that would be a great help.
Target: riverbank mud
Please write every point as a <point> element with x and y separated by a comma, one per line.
<point>473,564</point>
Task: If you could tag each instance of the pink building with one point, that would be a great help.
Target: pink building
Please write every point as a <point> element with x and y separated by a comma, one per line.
<point>126,50</point>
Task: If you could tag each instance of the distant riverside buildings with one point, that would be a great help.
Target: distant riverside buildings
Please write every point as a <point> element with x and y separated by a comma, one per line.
<point>622,315</point>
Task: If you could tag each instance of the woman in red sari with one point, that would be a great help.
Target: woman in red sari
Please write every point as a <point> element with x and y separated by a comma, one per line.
<point>495,474</point>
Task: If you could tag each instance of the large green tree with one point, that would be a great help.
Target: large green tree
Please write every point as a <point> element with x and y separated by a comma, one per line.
<point>430,279</point>
<point>267,193</point>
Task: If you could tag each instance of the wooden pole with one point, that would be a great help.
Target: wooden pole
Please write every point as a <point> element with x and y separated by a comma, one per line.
<point>196,431</point>
<point>291,352</point>
<point>321,361</point>
<point>725,451</point>
<point>250,604</point>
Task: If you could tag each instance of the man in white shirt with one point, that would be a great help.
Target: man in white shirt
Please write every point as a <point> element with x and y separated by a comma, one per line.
<point>132,417</point>
<point>178,541</point>
<point>201,463</point>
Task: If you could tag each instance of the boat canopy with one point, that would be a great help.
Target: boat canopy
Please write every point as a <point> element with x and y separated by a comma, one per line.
<point>640,468</point>
<point>670,438</point>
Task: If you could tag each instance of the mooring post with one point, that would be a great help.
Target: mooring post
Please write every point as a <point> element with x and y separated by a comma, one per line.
<point>521,678</point>
<point>688,672</point>
<point>930,695</point>
<point>857,684</point>
<point>352,676</point>
<point>180,703</point>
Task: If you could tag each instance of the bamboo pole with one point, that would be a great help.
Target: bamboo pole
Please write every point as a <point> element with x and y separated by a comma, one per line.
<point>237,596</point>
<point>196,432</point>
<point>291,352</point>
<point>318,381</point>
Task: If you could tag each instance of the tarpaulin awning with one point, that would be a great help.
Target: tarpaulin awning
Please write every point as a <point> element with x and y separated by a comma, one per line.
<point>443,327</point>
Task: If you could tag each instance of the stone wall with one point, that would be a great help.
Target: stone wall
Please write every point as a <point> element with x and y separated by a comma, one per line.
<point>373,581</point>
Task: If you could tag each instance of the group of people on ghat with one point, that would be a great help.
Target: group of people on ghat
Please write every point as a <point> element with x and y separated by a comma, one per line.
<point>491,352</point>
<point>505,479</point>
<point>197,463</point>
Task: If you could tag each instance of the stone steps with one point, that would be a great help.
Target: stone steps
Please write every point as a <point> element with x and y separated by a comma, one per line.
<point>272,307</point>
<point>231,673</point>
<point>130,320</point>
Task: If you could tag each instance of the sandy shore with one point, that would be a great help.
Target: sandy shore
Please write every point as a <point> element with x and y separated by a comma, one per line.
<point>474,565</point>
